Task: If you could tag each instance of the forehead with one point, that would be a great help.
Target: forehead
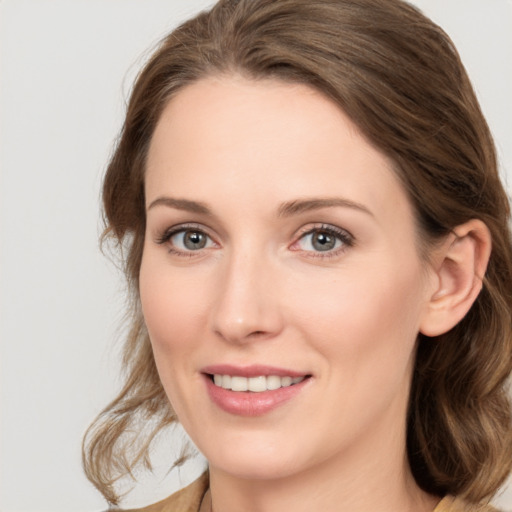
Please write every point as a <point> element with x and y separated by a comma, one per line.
<point>267,139</point>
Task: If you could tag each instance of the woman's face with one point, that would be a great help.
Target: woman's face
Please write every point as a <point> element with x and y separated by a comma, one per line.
<point>280,282</point>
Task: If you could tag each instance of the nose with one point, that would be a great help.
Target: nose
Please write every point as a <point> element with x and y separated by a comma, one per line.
<point>247,304</point>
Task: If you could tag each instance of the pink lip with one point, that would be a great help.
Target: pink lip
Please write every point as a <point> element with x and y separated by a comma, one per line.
<point>247,403</point>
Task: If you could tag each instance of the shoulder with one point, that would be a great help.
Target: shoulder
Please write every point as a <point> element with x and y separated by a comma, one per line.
<point>187,499</point>
<point>454,504</point>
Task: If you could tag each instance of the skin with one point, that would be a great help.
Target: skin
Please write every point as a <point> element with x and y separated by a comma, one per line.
<point>260,292</point>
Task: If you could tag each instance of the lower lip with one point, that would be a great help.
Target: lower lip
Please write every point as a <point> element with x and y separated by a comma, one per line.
<point>247,403</point>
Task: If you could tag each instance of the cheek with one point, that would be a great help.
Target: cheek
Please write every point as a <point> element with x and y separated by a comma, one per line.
<point>173,309</point>
<point>365,327</point>
<point>368,316</point>
<point>172,305</point>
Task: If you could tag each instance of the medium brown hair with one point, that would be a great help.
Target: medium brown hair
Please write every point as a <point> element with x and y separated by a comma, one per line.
<point>399,78</point>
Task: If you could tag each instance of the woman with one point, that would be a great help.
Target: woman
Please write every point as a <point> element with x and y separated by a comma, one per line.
<point>316,241</point>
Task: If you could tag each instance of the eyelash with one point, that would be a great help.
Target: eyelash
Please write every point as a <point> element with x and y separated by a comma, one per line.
<point>166,236</point>
<point>346,239</point>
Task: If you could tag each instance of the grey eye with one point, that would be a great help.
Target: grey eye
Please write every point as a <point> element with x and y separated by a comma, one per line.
<point>320,241</point>
<point>190,240</point>
<point>194,240</point>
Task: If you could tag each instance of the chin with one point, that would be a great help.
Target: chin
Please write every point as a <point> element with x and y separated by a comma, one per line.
<point>253,460</point>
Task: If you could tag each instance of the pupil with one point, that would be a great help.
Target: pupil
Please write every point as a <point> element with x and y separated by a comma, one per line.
<point>323,241</point>
<point>194,240</point>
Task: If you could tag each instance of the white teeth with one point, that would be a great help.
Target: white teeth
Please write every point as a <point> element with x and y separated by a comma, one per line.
<point>254,384</point>
<point>239,383</point>
<point>257,384</point>
<point>273,382</point>
<point>226,381</point>
<point>287,381</point>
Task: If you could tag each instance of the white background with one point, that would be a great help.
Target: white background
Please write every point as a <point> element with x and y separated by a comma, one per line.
<point>65,69</point>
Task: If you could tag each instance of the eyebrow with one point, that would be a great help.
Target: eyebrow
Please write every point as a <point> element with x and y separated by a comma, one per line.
<point>287,209</point>
<point>300,206</point>
<point>181,204</point>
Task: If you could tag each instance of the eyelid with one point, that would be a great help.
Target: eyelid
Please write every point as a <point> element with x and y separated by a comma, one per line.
<point>165,236</point>
<point>346,238</point>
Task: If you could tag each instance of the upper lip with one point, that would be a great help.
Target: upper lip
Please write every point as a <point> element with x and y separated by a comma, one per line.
<point>254,370</point>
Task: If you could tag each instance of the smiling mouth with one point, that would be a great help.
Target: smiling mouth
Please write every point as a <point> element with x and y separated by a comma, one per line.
<point>257,384</point>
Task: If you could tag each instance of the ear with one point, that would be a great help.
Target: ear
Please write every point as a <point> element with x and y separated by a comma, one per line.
<point>458,269</point>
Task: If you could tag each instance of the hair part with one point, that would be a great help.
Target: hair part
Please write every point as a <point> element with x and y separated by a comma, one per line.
<point>399,78</point>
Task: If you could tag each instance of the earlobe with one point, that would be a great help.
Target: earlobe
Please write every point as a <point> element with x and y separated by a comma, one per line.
<point>459,268</point>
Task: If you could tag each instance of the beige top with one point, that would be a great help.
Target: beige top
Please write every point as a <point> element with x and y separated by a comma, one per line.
<point>189,500</point>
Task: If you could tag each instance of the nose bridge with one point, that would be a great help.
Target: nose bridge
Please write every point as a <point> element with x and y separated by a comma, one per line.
<point>246,305</point>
